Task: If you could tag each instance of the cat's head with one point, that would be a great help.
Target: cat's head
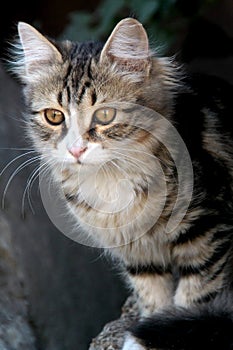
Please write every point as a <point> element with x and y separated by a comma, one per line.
<point>79,96</point>
<point>91,113</point>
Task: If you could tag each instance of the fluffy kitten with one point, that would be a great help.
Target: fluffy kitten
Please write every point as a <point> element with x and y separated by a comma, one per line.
<point>104,116</point>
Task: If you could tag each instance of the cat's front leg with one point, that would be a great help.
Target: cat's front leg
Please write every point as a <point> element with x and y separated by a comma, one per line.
<point>154,290</point>
<point>204,273</point>
<point>194,289</point>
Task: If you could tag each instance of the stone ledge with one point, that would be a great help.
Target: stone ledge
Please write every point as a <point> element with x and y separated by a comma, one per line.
<point>113,334</point>
<point>15,329</point>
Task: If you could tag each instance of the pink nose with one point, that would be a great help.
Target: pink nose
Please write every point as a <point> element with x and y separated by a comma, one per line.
<point>77,151</point>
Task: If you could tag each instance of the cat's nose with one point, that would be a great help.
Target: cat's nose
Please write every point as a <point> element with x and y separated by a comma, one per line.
<point>77,151</point>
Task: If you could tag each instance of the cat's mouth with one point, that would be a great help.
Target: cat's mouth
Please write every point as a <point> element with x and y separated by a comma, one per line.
<point>89,154</point>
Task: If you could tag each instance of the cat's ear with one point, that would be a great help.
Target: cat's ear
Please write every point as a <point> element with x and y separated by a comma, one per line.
<point>35,50</point>
<point>128,46</point>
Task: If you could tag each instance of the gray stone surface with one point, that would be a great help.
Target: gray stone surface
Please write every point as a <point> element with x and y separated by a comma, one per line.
<point>113,334</point>
<point>15,330</point>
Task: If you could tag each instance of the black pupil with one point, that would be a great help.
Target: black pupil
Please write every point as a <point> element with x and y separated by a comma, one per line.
<point>54,117</point>
<point>105,114</point>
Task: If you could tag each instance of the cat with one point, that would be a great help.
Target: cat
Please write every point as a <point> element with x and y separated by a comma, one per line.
<point>120,126</point>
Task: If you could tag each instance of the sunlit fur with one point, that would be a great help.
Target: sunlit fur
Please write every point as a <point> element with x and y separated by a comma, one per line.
<point>123,187</point>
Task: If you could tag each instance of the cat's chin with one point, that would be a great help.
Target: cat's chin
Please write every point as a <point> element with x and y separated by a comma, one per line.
<point>86,160</point>
<point>78,163</point>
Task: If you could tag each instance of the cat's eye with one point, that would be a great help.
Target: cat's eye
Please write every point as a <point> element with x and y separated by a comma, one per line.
<point>54,116</point>
<point>104,115</point>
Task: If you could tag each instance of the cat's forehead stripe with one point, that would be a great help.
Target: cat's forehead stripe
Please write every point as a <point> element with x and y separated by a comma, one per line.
<point>68,93</point>
<point>59,98</point>
<point>89,73</point>
<point>78,78</point>
<point>86,85</point>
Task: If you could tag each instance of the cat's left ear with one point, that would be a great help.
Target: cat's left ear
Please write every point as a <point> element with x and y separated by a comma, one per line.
<point>128,46</point>
<point>35,51</point>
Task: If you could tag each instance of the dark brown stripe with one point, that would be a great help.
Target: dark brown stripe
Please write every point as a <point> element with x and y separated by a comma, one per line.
<point>86,85</point>
<point>140,189</point>
<point>93,98</point>
<point>148,269</point>
<point>59,98</point>
<point>70,197</point>
<point>77,78</point>
<point>66,80</point>
<point>222,250</point>
<point>66,179</point>
<point>222,232</point>
<point>217,272</point>
<point>207,298</point>
<point>93,135</point>
<point>68,93</point>
<point>83,205</point>
<point>89,73</point>
<point>63,133</point>
<point>69,69</point>
<point>199,228</point>
<point>120,131</point>
<point>75,200</point>
<point>189,270</point>
<point>80,97</point>
<point>216,256</point>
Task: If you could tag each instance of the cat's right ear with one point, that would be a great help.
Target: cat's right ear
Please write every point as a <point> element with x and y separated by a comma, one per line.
<point>33,51</point>
<point>128,48</point>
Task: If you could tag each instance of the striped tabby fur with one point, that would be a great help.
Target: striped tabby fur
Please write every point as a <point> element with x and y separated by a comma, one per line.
<point>181,277</point>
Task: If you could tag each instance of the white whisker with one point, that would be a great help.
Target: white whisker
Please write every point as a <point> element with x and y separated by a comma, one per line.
<point>30,180</point>
<point>18,169</point>
<point>120,169</point>
<point>134,161</point>
<point>13,160</point>
<point>15,149</point>
<point>27,191</point>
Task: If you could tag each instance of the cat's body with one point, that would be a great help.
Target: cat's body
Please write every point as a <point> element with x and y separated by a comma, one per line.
<point>95,112</point>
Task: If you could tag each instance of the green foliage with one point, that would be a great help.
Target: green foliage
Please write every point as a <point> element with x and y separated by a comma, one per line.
<point>163,19</point>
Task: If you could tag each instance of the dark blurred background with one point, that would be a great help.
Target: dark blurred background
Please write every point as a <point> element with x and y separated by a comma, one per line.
<point>71,291</point>
<point>167,21</point>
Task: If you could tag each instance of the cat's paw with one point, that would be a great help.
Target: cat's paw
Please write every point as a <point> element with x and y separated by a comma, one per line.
<point>131,343</point>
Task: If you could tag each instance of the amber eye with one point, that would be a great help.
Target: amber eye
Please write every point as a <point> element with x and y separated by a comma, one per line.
<point>53,116</point>
<point>104,115</point>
